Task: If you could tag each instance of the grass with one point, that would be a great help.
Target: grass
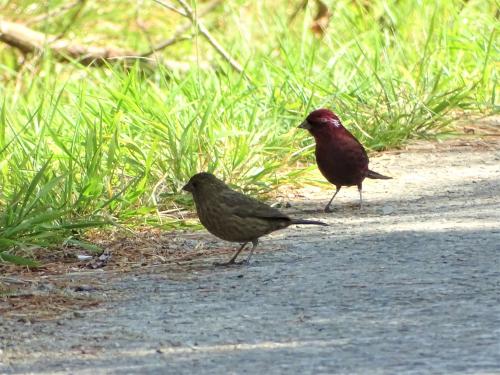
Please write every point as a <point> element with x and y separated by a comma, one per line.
<point>85,147</point>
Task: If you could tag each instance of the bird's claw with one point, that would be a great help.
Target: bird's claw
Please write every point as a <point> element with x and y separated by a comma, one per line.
<point>327,209</point>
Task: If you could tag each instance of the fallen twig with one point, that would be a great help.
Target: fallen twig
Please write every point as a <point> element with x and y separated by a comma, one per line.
<point>71,21</point>
<point>203,30</point>
<point>298,8</point>
<point>28,40</point>
<point>171,7</point>
<point>178,34</point>
<point>52,13</point>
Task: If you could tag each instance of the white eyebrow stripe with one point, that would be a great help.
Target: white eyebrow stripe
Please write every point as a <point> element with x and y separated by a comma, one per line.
<point>336,123</point>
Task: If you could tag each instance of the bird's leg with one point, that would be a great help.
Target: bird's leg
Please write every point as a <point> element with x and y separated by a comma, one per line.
<point>233,258</point>
<point>254,245</point>
<point>327,208</point>
<point>360,189</point>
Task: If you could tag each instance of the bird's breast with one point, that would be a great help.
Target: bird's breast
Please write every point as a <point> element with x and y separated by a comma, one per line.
<point>341,164</point>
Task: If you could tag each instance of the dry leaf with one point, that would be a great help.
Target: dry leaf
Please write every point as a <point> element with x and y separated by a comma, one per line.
<point>322,19</point>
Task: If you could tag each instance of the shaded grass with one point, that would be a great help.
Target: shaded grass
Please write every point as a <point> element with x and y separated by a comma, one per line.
<point>83,147</point>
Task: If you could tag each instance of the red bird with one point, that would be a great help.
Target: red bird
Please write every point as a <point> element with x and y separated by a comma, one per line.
<point>339,155</point>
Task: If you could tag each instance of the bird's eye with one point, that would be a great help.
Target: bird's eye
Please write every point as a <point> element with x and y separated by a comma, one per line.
<point>194,184</point>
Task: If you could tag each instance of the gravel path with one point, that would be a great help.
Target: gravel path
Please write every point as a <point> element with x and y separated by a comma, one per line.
<point>410,284</point>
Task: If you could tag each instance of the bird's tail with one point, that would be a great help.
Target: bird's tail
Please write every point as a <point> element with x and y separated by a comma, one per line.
<point>377,176</point>
<point>313,222</point>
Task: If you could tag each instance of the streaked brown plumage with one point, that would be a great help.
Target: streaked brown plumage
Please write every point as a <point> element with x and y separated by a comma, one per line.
<point>341,158</point>
<point>233,216</point>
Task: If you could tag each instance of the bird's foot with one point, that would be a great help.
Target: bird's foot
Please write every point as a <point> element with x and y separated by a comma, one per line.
<point>327,209</point>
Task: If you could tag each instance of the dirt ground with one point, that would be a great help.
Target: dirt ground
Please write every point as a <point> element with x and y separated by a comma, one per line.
<point>408,284</point>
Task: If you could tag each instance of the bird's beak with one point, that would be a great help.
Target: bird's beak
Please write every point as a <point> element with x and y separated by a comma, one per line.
<point>305,125</point>
<point>187,187</point>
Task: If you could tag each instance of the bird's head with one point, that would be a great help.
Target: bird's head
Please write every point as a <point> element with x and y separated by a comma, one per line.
<point>202,182</point>
<point>321,121</point>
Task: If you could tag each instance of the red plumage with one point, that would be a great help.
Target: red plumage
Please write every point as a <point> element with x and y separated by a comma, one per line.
<point>339,155</point>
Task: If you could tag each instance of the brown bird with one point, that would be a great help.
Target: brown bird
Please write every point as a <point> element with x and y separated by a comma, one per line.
<point>233,216</point>
<point>339,155</point>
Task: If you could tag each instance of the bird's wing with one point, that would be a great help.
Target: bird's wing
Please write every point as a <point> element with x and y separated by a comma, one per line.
<point>244,206</point>
<point>352,141</point>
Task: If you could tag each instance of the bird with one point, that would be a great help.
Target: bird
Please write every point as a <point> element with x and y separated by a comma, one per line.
<point>233,216</point>
<point>340,157</point>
